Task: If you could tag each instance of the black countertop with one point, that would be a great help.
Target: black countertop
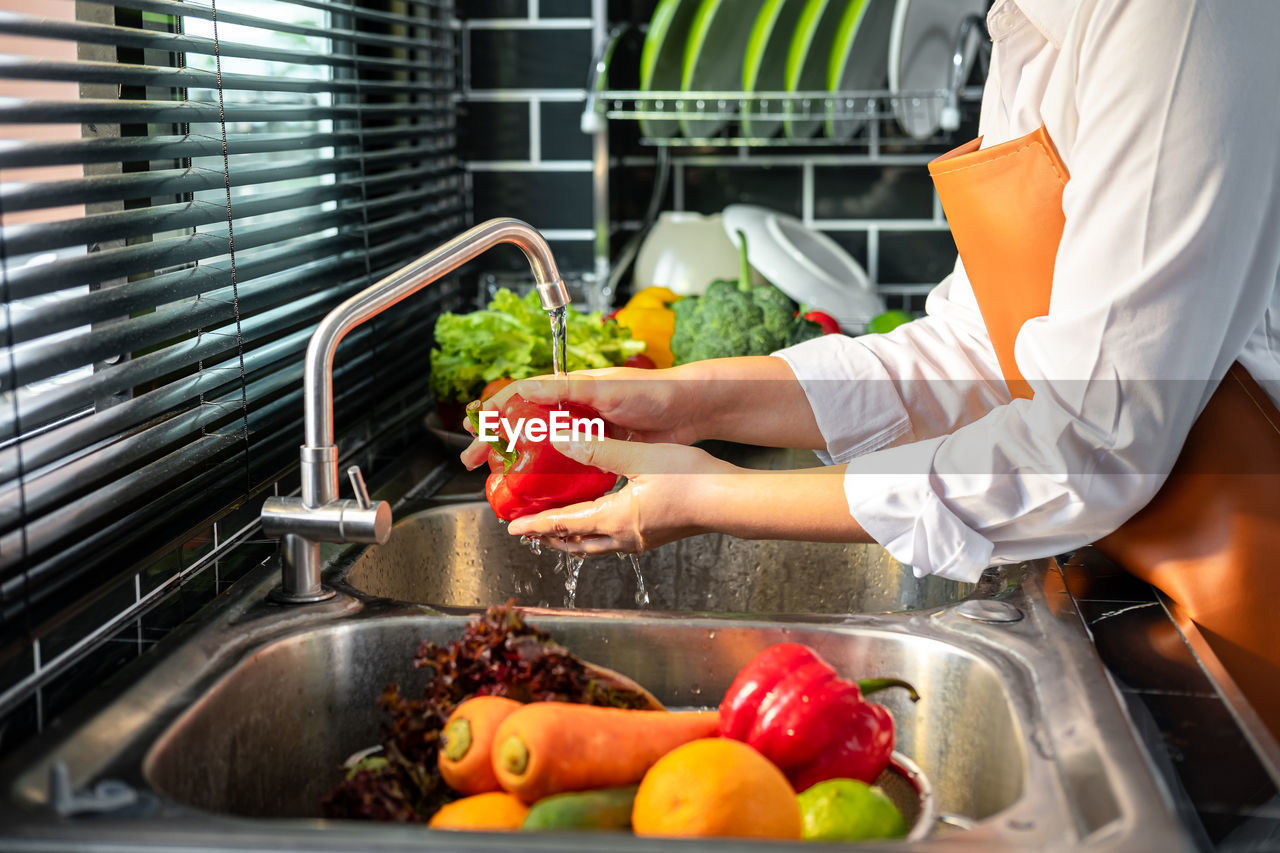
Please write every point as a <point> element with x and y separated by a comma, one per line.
<point>1221,788</point>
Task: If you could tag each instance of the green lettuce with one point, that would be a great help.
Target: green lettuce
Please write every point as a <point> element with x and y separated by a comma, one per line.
<point>512,338</point>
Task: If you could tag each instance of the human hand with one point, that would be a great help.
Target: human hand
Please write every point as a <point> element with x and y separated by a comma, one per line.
<point>644,405</point>
<point>670,494</point>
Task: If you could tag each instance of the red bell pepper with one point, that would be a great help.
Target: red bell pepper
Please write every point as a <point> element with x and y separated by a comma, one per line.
<point>828,323</point>
<point>792,707</point>
<point>533,476</point>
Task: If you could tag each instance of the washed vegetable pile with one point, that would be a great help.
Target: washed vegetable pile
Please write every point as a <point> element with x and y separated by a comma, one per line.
<point>513,732</point>
<point>511,339</point>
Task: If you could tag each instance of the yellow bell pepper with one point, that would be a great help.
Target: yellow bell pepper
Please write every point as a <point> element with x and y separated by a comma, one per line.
<point>653,297</point>
<point>650,320</point>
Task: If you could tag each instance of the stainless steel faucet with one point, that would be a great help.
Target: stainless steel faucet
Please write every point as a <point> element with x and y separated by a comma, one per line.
<point>319,515</point>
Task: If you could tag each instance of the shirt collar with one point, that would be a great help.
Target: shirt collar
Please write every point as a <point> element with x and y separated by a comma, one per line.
<point>1050,17</point>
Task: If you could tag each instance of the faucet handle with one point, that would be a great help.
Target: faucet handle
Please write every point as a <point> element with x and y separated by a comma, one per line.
<point>358,486</point>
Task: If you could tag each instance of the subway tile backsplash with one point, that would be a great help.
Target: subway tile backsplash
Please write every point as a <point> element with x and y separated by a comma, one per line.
<point>528,64</point>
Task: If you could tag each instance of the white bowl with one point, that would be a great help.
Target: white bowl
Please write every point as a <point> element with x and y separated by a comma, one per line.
<point>686,251</point>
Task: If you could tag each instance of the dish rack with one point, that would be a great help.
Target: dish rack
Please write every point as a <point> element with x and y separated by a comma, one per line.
<point>874,113</point>
<point>869,108</point>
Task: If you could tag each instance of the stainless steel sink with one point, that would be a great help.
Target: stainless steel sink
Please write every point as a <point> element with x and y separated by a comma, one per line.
<point>461,555</point>
<point>277,759</point>
<point>238,724</point>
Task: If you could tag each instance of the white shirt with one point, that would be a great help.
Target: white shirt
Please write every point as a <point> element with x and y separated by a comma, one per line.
<point>1166,115</point>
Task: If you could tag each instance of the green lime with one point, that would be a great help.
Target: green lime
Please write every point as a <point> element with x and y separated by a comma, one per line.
<point>848,810</point>
<point>888,321</point>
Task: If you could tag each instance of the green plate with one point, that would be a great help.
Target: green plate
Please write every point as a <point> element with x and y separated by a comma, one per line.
<point>808,57</point>
<point>713,58</point>
<point>764,68</point>
<point>859,56</point>
<point>662,59</point>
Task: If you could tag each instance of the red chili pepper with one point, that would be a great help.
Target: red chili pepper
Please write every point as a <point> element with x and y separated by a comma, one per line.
<point>791,706</point>
<point>533,475</point>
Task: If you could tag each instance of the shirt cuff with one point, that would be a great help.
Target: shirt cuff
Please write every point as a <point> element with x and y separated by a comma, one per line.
<point>853,398</point>
<point>891,494</point>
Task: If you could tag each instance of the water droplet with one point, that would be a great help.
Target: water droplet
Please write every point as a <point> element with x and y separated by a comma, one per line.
<point>573,567</point>
<point>642,594</point>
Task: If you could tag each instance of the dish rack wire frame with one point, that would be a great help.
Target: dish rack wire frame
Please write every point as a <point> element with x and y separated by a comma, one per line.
<point>870,107</point>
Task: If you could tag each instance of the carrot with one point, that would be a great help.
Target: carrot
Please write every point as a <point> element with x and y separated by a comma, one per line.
<point>548,748</point>
<point>465,755</point>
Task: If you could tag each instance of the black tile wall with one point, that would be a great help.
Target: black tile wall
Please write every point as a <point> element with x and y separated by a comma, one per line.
<point>16,662</point>
<point>89,671</point>
<point>924,257</point>
<point>853,242</point>
<point>494,131</point>
<point>493,9</point>
<point>562,137</point>
<point>872,192</point>
<point>529,58</point>
<point>709,189</point>
<point>19,725</point>
<point>114,599</point>
<point>564,8</point>
<point>546,65</point>
<point>543,199</point>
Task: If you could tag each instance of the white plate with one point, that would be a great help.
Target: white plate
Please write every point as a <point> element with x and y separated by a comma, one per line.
<point>808,58</point>
<point>920,51</point>
<point>806,265</point>
<point>716,46</point>
<point>662,60</point>
<point>859,57</point>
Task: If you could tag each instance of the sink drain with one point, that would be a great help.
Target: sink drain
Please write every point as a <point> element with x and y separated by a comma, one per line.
<point>989,611</point>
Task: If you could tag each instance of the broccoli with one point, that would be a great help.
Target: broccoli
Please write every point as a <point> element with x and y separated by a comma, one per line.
<point>735,318</point>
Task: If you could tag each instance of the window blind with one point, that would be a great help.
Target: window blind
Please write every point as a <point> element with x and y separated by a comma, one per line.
<point>185,189</point>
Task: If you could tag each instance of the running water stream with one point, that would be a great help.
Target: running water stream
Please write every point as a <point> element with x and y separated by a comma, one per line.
<point>567,564</point>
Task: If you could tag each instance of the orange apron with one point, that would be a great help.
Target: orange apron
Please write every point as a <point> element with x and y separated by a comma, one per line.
<point>1210,538</point>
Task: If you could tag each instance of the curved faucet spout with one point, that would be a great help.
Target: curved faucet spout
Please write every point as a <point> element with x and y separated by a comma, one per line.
<point>318,516</point>
<point>409,279</point>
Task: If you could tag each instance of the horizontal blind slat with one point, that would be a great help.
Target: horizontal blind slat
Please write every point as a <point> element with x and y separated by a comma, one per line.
<point>18,195</point>
<point>73,437</point>
<point>112,302</point>
<point>172,251</point>
<point>26,68</point>
<point>134,149</point>
<point>91,111</point>
<point>190,10</point>
<point>49,404</point>
<point>13,23</point>
<point>88,511</point>
<point>141,533</point>
<point>210,397</point>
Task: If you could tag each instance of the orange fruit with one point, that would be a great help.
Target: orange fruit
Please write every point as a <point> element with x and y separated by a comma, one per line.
<point>496,810</point>
<point>716,787</point>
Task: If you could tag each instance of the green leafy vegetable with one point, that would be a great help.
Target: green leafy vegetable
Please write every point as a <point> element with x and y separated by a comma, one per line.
<point>512,338</point>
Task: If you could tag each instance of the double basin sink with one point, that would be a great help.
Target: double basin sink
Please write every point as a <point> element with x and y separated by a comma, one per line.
<point>238,725</point>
